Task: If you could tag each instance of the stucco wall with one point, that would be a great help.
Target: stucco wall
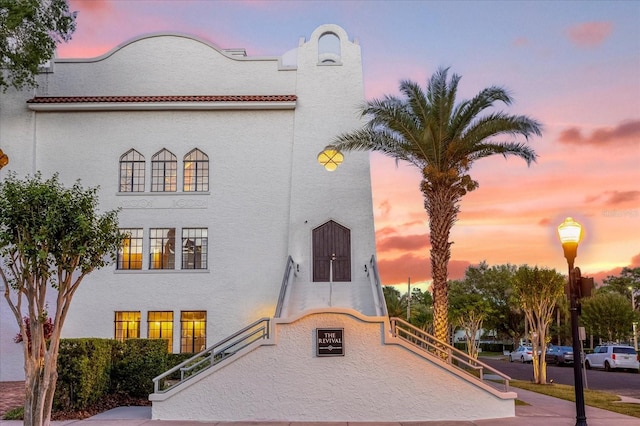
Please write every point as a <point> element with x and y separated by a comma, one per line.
<point>267,191</point>
<point>373,381</point>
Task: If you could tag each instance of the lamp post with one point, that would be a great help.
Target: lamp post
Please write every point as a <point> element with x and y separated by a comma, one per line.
<point>635,323</point>
<point>570,233</point>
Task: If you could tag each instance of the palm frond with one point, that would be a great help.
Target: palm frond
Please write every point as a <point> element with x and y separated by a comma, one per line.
<point>506,149</point>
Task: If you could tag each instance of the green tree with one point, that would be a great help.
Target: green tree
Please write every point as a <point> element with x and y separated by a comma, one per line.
<point>396,305</point>
<point>50,237</point>
<point>626,284</point>
<point>421,309</point>
<point>442,139</point>
<point>29,33</point>
<point>608,316</point>
<point>496,286</point>
<point>468,308</point>
<point>538,289</point>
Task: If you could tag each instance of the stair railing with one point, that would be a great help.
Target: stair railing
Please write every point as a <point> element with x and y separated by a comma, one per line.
<point>211,356</point>
<point>378,294</point>
<point>289,273</point>
<point>443,351</point>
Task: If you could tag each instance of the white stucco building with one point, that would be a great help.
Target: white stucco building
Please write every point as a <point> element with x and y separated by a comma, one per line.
<point>211,156</point>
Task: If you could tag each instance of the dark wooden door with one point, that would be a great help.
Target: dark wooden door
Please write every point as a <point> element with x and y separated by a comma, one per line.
<point>331,241</point>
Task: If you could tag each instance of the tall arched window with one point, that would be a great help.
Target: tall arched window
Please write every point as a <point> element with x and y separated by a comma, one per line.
<point>164,172</point>
<point>329,49</point>
<point>196,172</point>
<point>132,172</point>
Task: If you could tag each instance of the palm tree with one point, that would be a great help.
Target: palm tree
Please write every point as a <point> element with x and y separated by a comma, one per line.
<point>442,139</point>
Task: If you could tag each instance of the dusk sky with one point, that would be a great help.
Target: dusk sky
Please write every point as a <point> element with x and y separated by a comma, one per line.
<point>572,65</point>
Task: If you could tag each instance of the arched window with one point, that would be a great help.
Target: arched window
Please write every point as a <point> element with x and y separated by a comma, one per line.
<point>196,172</point>
<point>329,49</point>
<point>164,172</point>
<point>132,172</point>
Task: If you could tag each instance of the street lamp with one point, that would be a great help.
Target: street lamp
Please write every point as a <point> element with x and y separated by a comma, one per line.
<point>570,233</point>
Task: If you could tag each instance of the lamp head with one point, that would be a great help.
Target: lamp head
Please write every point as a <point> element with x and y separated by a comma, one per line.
<point>570,233</point>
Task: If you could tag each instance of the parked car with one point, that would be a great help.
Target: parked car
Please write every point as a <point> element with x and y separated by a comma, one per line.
<point>560,355</point>
<point>612,357</point>
<point>522,354</point>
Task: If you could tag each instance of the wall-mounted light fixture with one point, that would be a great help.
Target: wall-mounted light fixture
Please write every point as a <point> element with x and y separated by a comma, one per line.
<point>330,158</point>
<point>4,159</point>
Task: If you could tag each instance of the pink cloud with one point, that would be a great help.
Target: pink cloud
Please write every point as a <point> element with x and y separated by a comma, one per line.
<point>521,41</point>
<point>403,242</point>
<point>384,207</point>
<point>589,34</point>
<point>627,132</point>
<point>600,276</point>
<point>95,7</point>
<point>544,221</point>
<point>615,197</point>
<point>398,270</point>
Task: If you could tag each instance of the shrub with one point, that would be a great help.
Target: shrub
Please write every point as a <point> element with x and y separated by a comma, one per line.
<point>84,369</point>
<point>135,363</point>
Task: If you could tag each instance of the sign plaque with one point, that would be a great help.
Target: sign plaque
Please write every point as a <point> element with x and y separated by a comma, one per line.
<point>329,342</point>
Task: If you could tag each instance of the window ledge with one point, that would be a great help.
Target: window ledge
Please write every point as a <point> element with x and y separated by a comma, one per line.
<point>162,271</point>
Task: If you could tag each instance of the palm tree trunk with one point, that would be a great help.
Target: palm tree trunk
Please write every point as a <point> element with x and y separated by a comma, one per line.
<point>441,206</point>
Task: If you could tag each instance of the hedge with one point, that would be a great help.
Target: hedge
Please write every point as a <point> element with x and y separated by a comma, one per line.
<point>91,368</point>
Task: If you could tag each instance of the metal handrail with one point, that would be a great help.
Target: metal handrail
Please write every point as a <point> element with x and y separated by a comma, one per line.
<point>289,273</point>
<point>374,276</point>
<point>444,351</point>
<point>213,355</point>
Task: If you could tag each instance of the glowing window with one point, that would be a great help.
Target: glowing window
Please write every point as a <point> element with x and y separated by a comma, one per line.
<point>194,248</point>
<point>132,172</point>
<point>194,331</point>
<point>127,325</point>
<point>164,172</point>
<point>130,254</point>
<point>160,325</point>
<point>162,243</point>
<point>196,171</point>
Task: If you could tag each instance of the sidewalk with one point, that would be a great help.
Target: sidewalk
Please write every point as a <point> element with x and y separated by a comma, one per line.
<point>542,411</point>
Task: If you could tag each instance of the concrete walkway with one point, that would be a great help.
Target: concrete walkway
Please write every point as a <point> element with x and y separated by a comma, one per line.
<point>542,411</point>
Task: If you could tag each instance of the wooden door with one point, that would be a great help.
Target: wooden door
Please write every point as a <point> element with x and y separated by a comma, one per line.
<point>331,241</point>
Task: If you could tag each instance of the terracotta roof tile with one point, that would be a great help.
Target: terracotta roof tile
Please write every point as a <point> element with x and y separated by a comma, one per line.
<point>150,99</point>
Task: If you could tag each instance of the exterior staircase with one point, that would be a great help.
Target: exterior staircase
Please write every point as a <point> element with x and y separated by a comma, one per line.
<point>268,371</point>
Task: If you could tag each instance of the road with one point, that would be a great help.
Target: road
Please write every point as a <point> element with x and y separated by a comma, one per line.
<point>617,382</point>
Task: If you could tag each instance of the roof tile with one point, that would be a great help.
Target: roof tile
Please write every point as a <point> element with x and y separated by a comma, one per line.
<point>150,99</point>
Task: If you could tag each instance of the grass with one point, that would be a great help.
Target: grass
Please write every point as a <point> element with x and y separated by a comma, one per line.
<point>592,398</point>
<point>14,414</point>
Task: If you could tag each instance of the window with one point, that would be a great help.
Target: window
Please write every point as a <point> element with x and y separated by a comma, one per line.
<point>130,254</point>
<point>164,167</point>
<point>160,325</point>
<point>132,172</point>
<point>162,248</point>
<point>127,325</point>
<point>194,331</point>
<point>196,172</point>
<point>194,248</point>
<point>329,49</point>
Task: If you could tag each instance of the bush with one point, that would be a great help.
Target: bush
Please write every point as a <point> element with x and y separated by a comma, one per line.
<point>84,371</point>
<point>14,414</point>
<point>135,363</point>
<point>90,369</point>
